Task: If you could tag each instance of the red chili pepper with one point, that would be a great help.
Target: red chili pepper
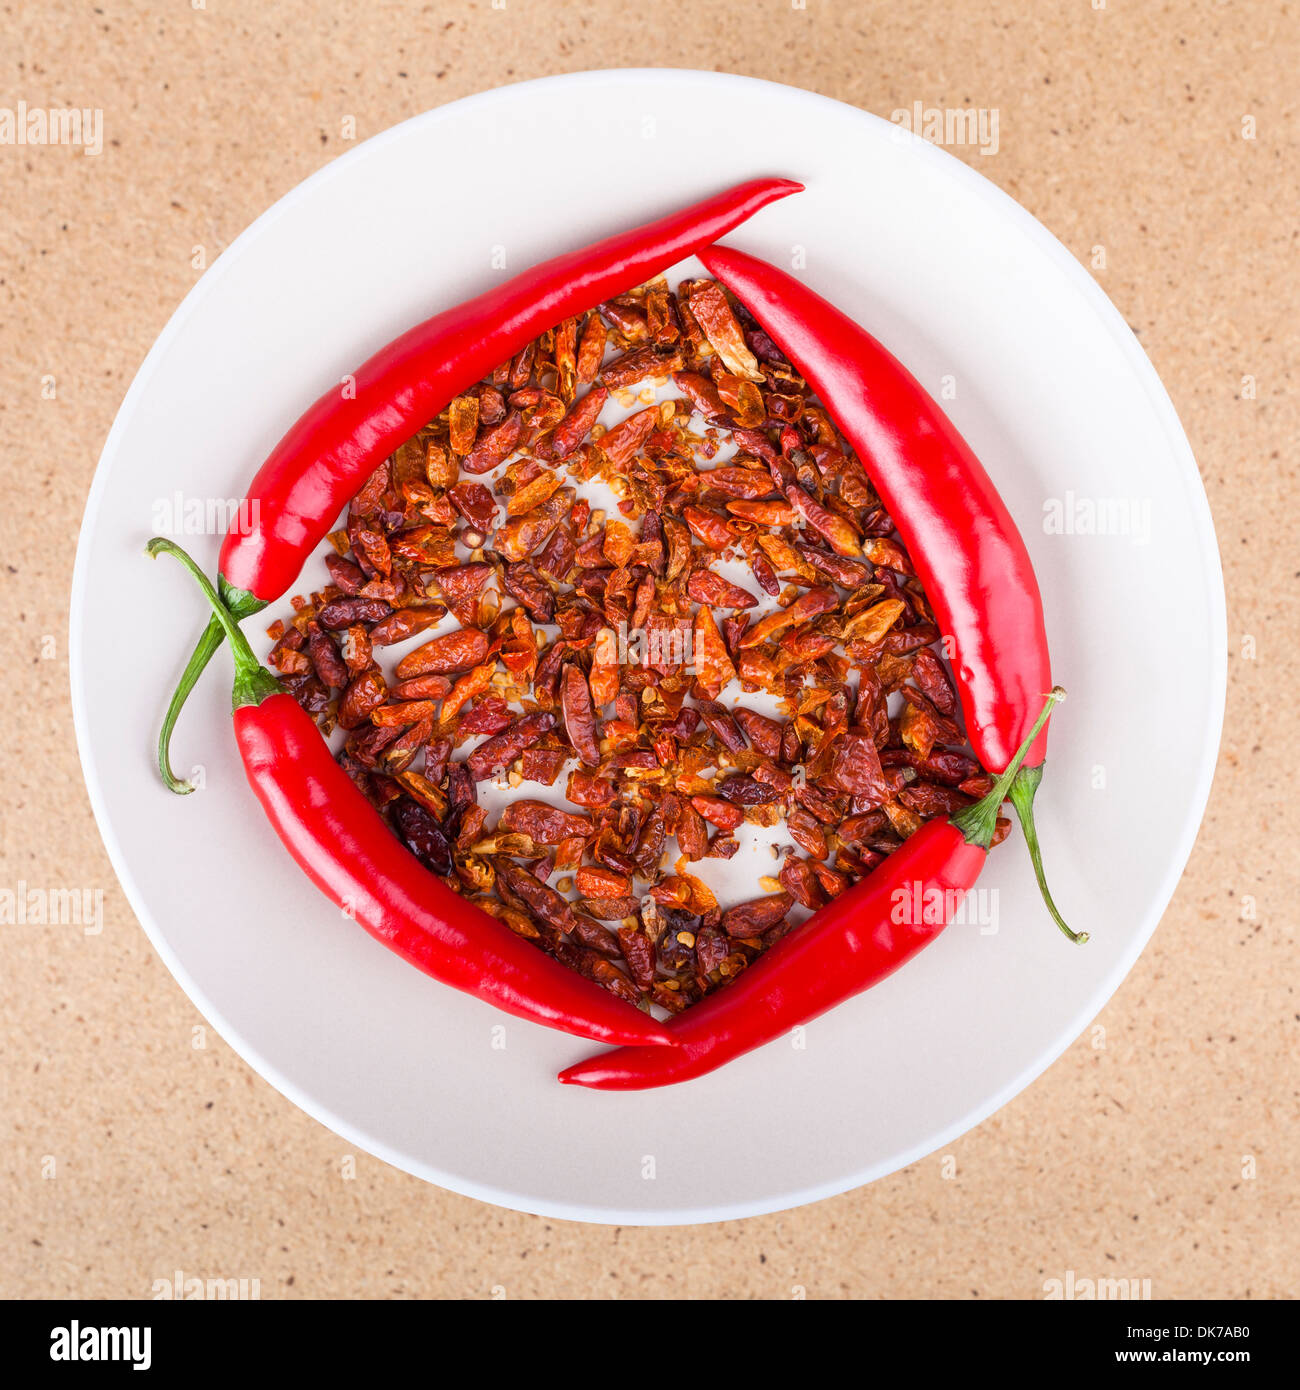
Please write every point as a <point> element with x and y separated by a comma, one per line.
<point>347,850</point>
<point>846,947</point>
<point>323,460</point>
<point>967,551</point>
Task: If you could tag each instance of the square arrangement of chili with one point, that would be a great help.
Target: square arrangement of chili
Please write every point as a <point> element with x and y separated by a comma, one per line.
<point>480,516</point>
<point>861,765</point>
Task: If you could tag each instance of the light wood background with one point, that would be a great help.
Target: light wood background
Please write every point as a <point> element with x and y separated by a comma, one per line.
<point>1125,126</point>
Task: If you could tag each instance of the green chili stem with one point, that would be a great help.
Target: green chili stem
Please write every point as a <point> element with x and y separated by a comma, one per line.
<point>253,682</point>
<point>202,654</point>
<point>1022,798</point>
<point>978,823</point>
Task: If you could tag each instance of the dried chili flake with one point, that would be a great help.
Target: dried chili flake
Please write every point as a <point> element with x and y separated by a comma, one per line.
<point>579,715</point>
<point>603,679</point>
<point>713,668</point>
<point>494,445</point>
<point>715,316</point>
<point>756,916</point>
<point>492,758</point>
<point>405,623</point>
<point>708,588</point>
<point>453,651</point>
<point>473,683</point>
<point>521,535</point>
<point>475,503</point>
<point>543,823</point>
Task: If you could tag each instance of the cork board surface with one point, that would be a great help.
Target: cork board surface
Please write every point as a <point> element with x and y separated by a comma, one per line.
<point>1163,1148</point>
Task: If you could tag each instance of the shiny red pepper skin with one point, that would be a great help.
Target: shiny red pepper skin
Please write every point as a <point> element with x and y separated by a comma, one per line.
<point>967,551</point>
<point>344,846</point>
<point>852,943</point>
<point>315,470</point>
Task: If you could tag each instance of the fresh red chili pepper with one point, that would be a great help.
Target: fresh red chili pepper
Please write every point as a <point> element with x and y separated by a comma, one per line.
<point>344,846</point>
<point>968,553</point>
<point>847,946</point>
<point>322,461</point>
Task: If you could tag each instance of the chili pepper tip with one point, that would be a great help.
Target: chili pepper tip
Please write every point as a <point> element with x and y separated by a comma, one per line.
<point>587,1073</point>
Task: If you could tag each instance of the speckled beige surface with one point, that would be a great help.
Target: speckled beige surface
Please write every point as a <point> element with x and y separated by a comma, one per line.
<point>126,1154</point>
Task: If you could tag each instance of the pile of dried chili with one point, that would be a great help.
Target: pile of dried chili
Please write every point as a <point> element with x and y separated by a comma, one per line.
<point>605,655</point>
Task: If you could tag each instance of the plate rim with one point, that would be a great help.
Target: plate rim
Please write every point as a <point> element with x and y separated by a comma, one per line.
<point>1143,373</point>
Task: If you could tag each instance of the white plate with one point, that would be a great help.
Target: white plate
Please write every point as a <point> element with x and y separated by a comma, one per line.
<point>1055,395</point>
